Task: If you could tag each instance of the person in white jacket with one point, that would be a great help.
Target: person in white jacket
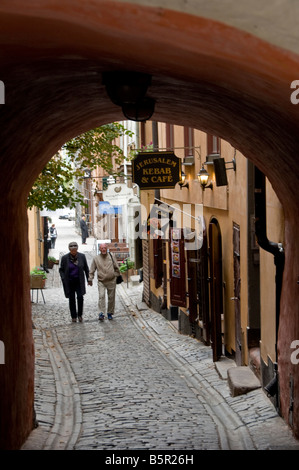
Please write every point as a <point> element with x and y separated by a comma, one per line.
<point>107,269</point>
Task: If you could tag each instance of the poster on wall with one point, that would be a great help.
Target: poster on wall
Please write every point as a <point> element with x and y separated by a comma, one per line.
<point>175,253</point>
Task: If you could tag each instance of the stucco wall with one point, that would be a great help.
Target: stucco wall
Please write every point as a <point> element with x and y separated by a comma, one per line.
<point>207,74</point>
<point>275,233</point>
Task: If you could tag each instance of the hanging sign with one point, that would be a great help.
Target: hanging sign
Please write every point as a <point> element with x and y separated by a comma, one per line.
<point>156,170</point>
<point>118,194</point>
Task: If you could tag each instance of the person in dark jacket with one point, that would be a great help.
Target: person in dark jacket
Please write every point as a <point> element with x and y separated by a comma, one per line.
<point>73,266</point>
<point>84,230</point>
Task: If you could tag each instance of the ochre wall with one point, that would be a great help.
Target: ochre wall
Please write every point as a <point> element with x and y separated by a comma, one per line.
<point>275,233</point>
<point>206,74</point>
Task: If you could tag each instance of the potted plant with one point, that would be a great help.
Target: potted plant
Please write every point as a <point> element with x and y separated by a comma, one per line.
<point>38,278</point>
<point>126,268</point>
<point>52,261</point>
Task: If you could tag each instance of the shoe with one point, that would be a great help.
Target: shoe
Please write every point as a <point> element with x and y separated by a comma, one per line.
<point>101,317</point>
<point>80,319</point>
<point>110,316</point>
<point>74,320</point>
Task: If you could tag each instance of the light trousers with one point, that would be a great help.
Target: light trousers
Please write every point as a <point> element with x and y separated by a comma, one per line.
<point>110,288</point>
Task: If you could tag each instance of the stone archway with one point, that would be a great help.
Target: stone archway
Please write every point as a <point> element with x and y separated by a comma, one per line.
<point>206,75</point>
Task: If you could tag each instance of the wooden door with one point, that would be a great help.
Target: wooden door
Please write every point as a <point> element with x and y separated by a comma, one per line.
<point>158,261</point>
<point>165,277</point>
<point>237,292</point>
<point>193,284</point>
<point>216,293</point>
<point>146,272</point>
<point>198,289</point>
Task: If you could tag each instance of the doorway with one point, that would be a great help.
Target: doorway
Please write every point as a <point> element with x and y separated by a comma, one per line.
<point>237,291</point>
<point>198,289</point>
<point>216,288</point>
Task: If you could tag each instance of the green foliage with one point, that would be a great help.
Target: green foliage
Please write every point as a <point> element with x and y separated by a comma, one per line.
<point>125,265</point>
<point>55,186</point>
<point>38,271</point>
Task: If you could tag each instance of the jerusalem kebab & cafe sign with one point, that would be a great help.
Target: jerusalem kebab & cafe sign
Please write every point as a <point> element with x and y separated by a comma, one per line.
<point>153,170</point>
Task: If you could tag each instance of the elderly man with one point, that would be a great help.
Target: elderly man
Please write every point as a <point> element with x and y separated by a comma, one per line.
<point>73,266</point>
<point>107,270</point>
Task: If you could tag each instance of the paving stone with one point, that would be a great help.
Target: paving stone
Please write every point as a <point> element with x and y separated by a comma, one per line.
<point>139,383</point>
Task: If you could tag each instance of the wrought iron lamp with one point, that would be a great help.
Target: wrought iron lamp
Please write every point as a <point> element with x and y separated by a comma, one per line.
<point>183,183</point>
<point>203,177</point>
<point>128,90</point>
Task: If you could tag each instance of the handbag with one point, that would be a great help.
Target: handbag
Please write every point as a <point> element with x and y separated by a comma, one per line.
<point>119,278</point>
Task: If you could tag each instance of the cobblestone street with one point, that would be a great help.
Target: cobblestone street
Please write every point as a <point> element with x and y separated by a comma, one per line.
<point>135,382</point>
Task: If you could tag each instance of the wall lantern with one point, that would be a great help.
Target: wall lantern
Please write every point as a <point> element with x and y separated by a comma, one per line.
<point>182,183</point>
<point>203,177</point>
<point>140,111</point>
<point>128,90</point>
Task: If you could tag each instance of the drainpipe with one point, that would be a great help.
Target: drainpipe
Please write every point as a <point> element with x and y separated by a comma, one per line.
<point>155,140</point>
<point>277,251</point>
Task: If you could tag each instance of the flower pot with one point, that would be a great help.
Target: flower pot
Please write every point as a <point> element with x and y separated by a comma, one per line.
<point>126,274</point>
<point>37,282</point>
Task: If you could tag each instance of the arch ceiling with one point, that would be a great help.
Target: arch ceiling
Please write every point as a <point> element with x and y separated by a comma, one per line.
<point>206,73</point>
<point>223,67</point>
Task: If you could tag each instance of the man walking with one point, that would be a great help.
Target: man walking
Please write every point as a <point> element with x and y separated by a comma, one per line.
<point>73,266</point>
<point>107,269</point>
<point>84,230</point>
<point>53,235</point>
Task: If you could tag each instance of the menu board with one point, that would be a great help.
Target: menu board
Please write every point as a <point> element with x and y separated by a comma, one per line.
<point>175,253</point>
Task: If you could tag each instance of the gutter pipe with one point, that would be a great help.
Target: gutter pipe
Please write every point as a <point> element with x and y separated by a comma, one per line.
<point>276,249</point>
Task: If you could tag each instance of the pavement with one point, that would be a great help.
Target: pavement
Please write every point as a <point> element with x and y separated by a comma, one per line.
<point>135,383</point>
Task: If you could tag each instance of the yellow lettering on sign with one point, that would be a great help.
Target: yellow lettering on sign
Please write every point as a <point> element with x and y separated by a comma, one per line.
<point>162,179</point>
<point>156,171</point>
<point>154,160</point>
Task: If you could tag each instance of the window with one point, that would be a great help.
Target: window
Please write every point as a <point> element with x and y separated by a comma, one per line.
<point>213,144</point>
<point>169,137</point>
<point>189,141</point>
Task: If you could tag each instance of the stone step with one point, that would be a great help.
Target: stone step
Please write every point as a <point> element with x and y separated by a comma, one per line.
<point>242,380</point>
<point>135,280</point>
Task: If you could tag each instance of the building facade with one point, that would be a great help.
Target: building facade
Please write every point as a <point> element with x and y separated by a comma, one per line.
<point>206,269</point>
<point>227,69</point>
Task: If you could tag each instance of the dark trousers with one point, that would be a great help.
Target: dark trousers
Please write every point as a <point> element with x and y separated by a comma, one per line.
<point>75,289</point>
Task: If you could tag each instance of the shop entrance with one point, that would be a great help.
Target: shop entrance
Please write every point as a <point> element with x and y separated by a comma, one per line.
<point>237,291</point>
<point>216,294</point>
<point>198,290</point>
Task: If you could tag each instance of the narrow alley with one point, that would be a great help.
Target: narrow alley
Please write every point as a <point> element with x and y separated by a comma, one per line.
<point>134,383</point>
